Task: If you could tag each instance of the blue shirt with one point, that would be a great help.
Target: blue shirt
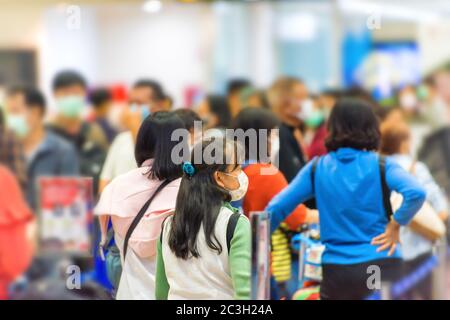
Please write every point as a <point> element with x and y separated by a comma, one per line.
<point>53,157</point>
<point>349,199</point>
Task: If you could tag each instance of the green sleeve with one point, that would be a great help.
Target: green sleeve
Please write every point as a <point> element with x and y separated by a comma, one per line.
<point>161,286</point>
<point>240,259</point>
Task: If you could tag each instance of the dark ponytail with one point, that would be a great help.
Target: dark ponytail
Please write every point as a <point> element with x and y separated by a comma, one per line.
<point>200,199</point>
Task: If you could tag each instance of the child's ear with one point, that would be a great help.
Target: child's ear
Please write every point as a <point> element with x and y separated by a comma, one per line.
<point>218,180</point>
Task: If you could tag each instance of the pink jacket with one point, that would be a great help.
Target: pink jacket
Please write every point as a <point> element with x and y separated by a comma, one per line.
<point>124,197</point>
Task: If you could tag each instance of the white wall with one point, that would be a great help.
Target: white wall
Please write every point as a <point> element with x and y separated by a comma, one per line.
<point>62,47</point>
<point>434,42</point>
<point>20,26</point>
<point>179,45</point>
<point>172,46</point>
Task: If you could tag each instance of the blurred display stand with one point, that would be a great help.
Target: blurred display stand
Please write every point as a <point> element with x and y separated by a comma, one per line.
<point>260,222</point>
<point>65,238</point>
<point>65,216</point>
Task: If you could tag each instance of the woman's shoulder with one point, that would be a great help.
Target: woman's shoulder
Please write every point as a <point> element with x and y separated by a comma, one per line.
<point>134,186</point>
<point>227,211</point>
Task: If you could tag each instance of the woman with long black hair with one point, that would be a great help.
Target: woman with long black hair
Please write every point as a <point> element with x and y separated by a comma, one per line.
<point>126,195</point>
<point>347,185</point>
<point>197,258</point>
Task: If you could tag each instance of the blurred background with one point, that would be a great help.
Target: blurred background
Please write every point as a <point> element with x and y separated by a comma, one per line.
<point>393,53</point>
<point>201,44</point>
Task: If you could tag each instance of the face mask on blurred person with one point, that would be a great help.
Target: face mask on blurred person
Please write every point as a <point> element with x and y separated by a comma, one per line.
<point>306,108</point>
<point>315,119</point>
<point>18,125</point>
<point>143,109</point>
<point>114,117</point>
<point>423,93</point>
<point>408,101</point>
<point>71,106</point>
<point>239,193</point>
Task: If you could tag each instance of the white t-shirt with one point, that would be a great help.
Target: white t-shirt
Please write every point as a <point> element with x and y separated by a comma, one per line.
<point>208,277</point>
<point>120,158</point>
<point>137,281</point>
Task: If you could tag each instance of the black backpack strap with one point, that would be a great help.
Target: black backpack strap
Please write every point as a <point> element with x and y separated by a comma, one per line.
<point>311,203</point>
<point>139,216</point>
<point>385,189</point>
<point>231,226</point>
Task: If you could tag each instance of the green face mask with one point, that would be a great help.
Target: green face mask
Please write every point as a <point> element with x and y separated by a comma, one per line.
<point>18,125</point>
<point>70,106</point>
<point>315,119</point>
<point>422,93</point>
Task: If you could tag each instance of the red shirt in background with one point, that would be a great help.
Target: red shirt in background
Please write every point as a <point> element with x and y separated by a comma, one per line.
<point>317,147</point>
<point>262,188</point>
<point>15,249</point>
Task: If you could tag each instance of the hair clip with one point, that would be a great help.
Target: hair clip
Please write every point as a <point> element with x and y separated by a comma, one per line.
<point>188,168</point>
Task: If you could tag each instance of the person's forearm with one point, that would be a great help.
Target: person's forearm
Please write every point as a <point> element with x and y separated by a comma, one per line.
<point>299,190</point>
<point>102,184</point>
<point>412,202</point>
<point>412,192</point>
<point>103,222</point>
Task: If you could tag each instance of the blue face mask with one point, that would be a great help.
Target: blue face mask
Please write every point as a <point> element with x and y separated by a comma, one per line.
<point>143,109</point>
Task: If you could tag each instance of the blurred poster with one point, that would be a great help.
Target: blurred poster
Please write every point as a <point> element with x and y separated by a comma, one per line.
<point>65,215</point>
<point>260,255</point>
<point>389,66</point>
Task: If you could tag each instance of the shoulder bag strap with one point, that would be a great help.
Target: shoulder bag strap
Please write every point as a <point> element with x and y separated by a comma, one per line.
<point>385,189</point>
<point>231,226</point>
<point>139,216</point>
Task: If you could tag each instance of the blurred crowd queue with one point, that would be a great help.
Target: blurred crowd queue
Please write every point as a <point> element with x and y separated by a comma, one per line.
<point>126,148</point>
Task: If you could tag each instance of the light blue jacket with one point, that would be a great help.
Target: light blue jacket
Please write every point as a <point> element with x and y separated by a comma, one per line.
<point>349,199</point>
<point>413,244</point>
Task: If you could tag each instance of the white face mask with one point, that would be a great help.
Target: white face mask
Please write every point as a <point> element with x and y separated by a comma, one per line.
<point>239,193</point>
<point>408,101</point>
<point>306,108</point>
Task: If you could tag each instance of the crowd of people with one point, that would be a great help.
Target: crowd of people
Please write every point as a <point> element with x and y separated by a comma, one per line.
<point>172,230</point>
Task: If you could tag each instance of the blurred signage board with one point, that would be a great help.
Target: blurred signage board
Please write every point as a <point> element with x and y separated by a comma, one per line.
<point>260,223</point>
<point>18,66</point>
<point>65,215</point>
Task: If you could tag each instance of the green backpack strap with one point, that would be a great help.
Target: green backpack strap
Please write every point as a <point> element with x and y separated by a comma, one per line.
<point>232,222</point>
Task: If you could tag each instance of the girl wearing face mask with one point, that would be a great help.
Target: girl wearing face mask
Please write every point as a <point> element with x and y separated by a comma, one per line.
<point>196,259</point>
<point>265,182</point>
